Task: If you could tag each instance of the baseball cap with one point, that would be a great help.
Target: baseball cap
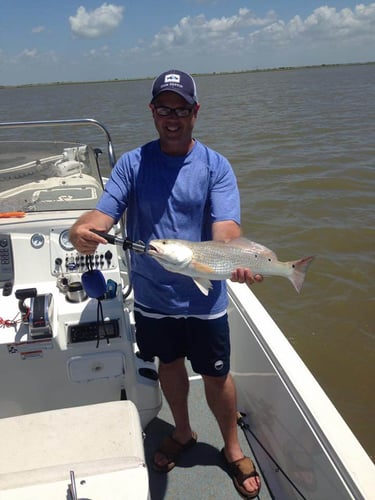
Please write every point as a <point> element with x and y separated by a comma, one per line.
<point>175,81</point>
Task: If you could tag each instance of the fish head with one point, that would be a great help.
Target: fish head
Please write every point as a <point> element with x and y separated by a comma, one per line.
<point>172,254</point>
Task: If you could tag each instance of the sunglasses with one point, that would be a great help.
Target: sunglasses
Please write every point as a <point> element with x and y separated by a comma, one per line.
<point>167,111</point>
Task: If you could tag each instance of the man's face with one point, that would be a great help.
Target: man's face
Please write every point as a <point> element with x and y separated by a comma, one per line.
<point>175,128</point>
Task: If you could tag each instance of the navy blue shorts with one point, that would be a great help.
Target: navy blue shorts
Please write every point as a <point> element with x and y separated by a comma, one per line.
<point>204,342</point>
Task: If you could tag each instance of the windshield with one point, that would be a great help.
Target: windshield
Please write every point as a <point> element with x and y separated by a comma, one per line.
<point>39,176</point>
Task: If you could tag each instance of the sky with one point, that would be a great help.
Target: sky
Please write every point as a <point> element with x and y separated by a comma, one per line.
<point>44,41</point>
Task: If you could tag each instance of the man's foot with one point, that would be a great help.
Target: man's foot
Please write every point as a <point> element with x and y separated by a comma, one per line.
<point>244,476</point>
<point>168,453</point>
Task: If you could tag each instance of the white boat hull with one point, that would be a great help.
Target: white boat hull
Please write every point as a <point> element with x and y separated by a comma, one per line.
<point>74,394</point>
<point>292,426</point>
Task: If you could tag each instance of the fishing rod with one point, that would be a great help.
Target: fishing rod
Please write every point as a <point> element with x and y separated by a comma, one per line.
<point>245,427</point>
<point>127,243</point>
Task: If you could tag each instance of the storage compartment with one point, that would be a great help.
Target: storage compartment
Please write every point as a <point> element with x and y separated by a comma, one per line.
<point>99,447</point>
<point>96,366</point>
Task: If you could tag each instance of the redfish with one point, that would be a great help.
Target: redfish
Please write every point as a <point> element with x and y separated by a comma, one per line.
<point>206,261</point>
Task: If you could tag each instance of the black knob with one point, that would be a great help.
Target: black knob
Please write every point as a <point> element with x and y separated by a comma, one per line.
<point>108,256</point>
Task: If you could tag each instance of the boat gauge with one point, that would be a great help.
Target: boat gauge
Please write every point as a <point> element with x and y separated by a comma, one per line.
<point>37,240</point>
<point>65,241</point>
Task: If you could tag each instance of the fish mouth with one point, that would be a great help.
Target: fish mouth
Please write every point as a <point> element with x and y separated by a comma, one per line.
<point>152,250</point>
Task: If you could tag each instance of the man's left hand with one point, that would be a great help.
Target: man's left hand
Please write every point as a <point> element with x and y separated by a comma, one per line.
<point>244,275</point>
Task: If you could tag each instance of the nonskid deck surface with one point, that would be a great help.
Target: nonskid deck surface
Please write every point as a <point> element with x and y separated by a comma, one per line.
<point>201,472</point>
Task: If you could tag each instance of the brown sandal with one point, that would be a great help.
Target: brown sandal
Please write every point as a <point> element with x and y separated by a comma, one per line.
<point>172,450</point>
<point>239,471</point>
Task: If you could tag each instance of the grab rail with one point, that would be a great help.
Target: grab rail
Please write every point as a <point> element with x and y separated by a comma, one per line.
<point>110,152</point>
<point>58,123</point>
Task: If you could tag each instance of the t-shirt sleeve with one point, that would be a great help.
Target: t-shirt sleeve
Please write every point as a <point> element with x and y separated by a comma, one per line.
<point>224,194</point>
<point>114,199</point>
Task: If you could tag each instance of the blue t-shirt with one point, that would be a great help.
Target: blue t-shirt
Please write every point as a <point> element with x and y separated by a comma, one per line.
<point>172,197</point>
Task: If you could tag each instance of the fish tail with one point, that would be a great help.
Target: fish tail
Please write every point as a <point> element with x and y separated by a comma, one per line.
<point>299,271</point>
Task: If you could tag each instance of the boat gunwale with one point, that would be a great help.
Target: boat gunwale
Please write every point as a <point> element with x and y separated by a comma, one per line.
<point>354,467</point>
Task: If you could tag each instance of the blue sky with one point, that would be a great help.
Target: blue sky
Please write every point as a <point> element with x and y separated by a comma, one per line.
<point>45,41</point>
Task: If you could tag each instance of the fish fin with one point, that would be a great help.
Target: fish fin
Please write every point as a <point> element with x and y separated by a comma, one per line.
<point>240,242</point>
<point>203,284</point>
<point>250,246</point>
<point>202,268</point>
<point>299,271</point>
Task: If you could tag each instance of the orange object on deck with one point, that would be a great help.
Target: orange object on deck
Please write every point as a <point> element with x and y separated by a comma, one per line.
<point>8,215</point>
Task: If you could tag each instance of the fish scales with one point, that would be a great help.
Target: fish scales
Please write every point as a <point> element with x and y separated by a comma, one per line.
<point>212,260</point>
<point>224,258</point>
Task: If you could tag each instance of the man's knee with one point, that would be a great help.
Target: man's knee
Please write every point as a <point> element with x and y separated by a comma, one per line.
<point>176,364</point>
<point>211,381</point>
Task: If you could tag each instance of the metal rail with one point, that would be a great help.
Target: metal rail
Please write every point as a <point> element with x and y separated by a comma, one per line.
<point>110,152</point>
<point>62,123</point>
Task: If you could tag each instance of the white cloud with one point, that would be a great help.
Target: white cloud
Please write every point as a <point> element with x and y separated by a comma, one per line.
<point>28,54</point>
<point>244,32</point>
<point>38,29</point>
<point>35,56</point>
<point>209,35</point>
<point>98,53</point>
<point>324,24</point>
<point>96,23</point>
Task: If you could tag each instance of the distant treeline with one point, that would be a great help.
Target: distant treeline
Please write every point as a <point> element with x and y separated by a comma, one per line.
<point>214,73</point>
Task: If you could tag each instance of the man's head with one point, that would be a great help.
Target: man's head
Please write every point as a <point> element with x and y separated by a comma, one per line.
<point>174,107</point>
<point>175,81</point>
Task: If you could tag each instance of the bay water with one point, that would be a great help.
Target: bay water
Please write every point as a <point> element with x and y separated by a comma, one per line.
<point>302,144</point>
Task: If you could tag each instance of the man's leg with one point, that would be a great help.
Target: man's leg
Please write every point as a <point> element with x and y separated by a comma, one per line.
<point>221,398</point>
<point>175,385</point>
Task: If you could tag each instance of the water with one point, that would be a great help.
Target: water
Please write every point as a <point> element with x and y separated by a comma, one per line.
<point>302,145</point>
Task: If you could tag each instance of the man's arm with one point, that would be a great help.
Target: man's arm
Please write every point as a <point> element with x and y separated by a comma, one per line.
<point>84,240</point>
<point>226,231</point>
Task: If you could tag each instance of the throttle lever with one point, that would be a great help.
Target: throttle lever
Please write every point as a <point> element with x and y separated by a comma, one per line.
<point>126,243</point>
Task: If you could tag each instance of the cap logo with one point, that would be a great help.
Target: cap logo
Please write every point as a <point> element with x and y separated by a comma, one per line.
<point>172,78</point>
<point>176,81</point>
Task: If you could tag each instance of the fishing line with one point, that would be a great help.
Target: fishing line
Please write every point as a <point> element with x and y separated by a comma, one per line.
<point>95,286</point>
<point>246,427</point>
<point>100,321</point>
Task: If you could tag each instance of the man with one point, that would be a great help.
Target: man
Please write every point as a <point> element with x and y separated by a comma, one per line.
<point>176,187</point>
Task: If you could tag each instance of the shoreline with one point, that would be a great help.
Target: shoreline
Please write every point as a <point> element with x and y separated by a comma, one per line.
<point>214,73</point>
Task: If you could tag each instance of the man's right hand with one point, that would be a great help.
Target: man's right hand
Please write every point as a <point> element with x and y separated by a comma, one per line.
<point>81,236</point>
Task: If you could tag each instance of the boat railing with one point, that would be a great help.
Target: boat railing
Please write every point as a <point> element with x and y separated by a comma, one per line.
<point>111,158</point>
<point>62,123</point>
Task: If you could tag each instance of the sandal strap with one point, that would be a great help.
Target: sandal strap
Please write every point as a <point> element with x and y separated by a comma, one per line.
<point>171,448</point>
<point>242,469</point>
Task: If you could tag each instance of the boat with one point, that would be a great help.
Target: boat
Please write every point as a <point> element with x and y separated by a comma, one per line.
<point>80,411</point>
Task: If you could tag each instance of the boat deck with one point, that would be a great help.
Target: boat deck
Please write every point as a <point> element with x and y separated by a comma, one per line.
<point>201,471</point>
